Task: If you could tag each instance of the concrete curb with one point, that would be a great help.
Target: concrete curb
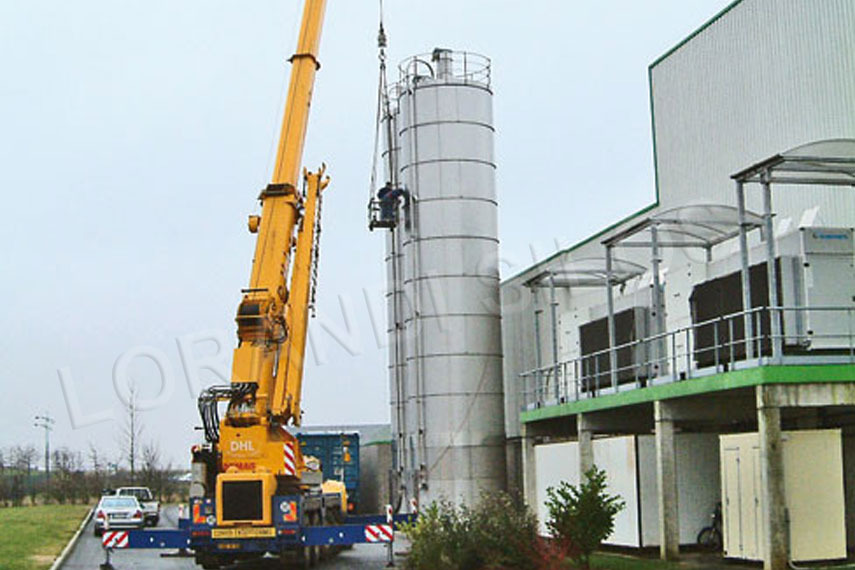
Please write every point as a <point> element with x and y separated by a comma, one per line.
<point>71,543</point>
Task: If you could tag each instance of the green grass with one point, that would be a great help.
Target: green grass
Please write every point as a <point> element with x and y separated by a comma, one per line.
<point>31,537</point>
<point>602,561</point>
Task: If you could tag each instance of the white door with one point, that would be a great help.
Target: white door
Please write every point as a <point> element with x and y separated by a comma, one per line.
<point>730,493</point>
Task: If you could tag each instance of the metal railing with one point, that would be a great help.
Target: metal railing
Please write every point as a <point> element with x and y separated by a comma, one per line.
<point>817,335</point>
<point>459,66</point>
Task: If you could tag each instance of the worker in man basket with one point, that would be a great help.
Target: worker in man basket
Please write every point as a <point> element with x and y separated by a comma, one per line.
<point>388,197</point>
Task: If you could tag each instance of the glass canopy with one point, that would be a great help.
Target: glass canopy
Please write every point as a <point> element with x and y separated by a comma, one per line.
<point>695,225</point>
<point>586,272</point>
<point>828,162</point>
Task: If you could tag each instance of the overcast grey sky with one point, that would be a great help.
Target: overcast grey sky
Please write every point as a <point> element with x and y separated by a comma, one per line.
<point>136,136</point>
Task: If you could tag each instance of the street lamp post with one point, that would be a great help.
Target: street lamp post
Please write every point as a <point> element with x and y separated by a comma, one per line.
<point>46,423</point>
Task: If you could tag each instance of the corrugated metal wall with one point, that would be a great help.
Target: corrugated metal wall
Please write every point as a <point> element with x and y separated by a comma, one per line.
<point>767,76</point>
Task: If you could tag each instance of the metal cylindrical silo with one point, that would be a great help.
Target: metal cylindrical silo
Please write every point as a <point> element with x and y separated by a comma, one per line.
<point>450,395</point>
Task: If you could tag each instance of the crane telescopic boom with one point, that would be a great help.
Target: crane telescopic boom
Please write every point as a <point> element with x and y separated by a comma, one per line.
<point>272,311</point>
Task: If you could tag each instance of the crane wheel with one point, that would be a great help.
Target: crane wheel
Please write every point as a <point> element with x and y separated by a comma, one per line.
<point>318,550</point>
<point>310,556</point>
<point>304,557</point>
<point>208,562</point>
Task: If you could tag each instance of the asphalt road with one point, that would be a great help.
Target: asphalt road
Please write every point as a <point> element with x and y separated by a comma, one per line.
<point>88,555</point>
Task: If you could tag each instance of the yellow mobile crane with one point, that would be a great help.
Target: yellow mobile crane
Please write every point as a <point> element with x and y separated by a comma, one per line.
<point>254,493</point>
<point>260,493</point>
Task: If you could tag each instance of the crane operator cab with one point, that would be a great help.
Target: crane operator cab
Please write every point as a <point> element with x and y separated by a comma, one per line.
<point>383,209</point>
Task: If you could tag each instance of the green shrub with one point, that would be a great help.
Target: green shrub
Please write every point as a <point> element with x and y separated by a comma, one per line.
<point>504,531</point>
<point>583,516</point>
<point>497,533</point>
<point>438,538</point>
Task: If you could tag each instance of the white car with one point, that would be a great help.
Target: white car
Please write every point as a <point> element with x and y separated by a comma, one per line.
<point>150,507</point>
<point>118,513</point>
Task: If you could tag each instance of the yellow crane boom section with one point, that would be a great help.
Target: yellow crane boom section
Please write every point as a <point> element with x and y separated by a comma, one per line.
<point>273,316</point>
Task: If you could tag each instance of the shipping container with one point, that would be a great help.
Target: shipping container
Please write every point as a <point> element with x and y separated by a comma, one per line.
<point>338,453</point>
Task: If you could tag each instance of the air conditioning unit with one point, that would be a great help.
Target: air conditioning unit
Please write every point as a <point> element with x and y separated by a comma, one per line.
<point>816,286</point>
<point>631,325</point>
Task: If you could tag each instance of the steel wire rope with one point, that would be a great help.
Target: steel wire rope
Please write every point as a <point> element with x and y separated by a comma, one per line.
<point>381,84</point>
<point>383,111</point>
<point>373,178</point>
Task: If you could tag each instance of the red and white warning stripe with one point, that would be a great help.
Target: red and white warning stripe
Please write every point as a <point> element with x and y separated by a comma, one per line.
<point>379,533</point>
<point>290,459</point>
<point>114,539</point>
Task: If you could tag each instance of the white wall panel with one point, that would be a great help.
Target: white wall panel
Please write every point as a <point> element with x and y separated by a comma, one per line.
<point>617,455</point>
<point>556,462</point>
<point>559,462</point>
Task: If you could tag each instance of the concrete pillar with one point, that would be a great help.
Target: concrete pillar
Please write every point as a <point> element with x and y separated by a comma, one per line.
<point>586,445</point>
<point>773,499</point>
<point>666,479</point>
<point>513,465</point>
<point>529,467</point>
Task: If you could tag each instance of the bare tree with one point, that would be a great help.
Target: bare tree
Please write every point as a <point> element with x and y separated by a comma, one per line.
<point>131,432</point>
<point>69,483</point>
<point>97,477</point>
<point>30,455</point>
<point>151,457</point>
<point>4,484</point>
<point>17,489</point>
<point>156,475</point>
<point>152,475</point>
<point>62,468</point>
<point>23,459</point>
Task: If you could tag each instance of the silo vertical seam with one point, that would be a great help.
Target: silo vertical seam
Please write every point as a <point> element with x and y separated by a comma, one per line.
<point>418,311</point>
